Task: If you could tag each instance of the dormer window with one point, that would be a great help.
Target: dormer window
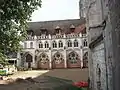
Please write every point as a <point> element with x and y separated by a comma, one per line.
<point>43,31</point>
<point>72,28</point>
<point>58,30</point>
<point>30,32</point>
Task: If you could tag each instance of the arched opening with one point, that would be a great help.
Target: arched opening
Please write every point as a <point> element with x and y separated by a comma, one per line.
<point>43,61</point>
<point>73,60</point>
<point>46,44</point>
<point>75,43</point>
<point>69,43</point>
<point>40,45</point>
<point>54,44</point>
<point>29,60</point>
<point>85,43</point>
<point>58,60</point>
<point>60,44</point>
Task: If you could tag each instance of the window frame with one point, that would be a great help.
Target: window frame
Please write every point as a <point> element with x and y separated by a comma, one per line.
<point>31,44</point>
<point>40,45</point>
<point>69,43</point>
<point>76,44</point>
<point>60,44</point>
<point>54,44</point>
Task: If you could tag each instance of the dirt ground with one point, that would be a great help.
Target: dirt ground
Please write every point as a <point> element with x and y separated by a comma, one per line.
<point>41,79</point>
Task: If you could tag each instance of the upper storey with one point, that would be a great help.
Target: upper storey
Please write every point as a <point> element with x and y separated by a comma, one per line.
<point>58,27</point>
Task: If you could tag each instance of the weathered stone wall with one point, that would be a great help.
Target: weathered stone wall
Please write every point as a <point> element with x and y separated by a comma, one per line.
<point>95,16</point>
<point>99,67</point>
<point>97,12</point>
<point>112,41</point>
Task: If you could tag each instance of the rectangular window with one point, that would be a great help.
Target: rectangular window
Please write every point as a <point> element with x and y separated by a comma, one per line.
<point>25,45</point>
<point>31,44</point>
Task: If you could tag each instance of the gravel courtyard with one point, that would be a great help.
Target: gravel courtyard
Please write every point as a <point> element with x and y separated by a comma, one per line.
<point>45,78</point>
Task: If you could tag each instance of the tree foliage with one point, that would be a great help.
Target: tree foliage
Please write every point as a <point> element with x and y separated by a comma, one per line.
<point>14,15</point>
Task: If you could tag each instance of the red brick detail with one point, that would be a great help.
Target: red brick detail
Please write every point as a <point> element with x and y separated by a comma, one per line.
<point>43,66</point>
<point>75,65</point>
<point>57,66</point>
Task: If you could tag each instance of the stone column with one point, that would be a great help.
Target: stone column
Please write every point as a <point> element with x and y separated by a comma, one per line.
<point>18,59</point>
<point>65,59</point>
<point>81,53</point>
<point>81,58</point>
<point>50,52</point>
<point>50,60</point>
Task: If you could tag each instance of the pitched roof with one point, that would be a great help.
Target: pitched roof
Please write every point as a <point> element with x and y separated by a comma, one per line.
<point>51,25</point>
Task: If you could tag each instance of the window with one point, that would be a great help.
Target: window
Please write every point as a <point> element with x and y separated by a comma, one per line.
<point>58,58</point>
<point>25,45</point>
<point>60,44</point>
<point>46,45</point>
<point>40,45</point>
<point>85,43</point>
<point>43,58</point>
<point>31,44</point>
<point>73,57</point>
<point>54,44</point>
<point>75,43</point>
<point>69,43</point>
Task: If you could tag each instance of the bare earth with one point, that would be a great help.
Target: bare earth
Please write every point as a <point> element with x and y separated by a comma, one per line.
<point>41,80</point>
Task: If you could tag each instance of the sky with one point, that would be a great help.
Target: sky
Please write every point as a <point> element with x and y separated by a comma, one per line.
<point>57,10</point>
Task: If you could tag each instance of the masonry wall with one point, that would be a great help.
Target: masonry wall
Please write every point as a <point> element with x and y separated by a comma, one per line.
<point>112,41</point>
<point>95,16</point>
<point>108,11</point>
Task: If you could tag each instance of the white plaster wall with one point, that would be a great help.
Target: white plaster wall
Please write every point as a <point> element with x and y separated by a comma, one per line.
<point>50,52</point>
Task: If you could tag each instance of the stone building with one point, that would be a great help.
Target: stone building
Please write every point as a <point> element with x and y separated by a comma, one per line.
<point>55,44</point>
<point>102,23</point>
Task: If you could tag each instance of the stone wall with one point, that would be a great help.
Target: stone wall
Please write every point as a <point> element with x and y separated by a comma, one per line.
<point>103,17</point>
<point>112,39</point>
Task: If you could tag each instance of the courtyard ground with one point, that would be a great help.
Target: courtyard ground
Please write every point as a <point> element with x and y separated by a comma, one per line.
<point>46,79</point>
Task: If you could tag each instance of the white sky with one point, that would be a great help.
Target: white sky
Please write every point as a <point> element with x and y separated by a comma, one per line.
<point>57,10</point>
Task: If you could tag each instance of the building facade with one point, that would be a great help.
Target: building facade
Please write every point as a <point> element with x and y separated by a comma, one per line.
<point>54,46</point>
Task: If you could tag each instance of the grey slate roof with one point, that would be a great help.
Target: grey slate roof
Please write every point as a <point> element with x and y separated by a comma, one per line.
<point>51,25</point>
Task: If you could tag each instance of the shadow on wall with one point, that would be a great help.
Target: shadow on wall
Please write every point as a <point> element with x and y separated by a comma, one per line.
<point>57,79</point>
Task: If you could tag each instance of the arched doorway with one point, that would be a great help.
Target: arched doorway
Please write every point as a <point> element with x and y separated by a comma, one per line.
<point>58,61</point>
<point>85,60</point>
<point>43,61</point>
<point>29,60</point>
<point>73,60</point>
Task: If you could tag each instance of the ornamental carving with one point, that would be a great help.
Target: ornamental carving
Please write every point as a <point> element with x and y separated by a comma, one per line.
<point>43,58</point>
<point>58,58</point>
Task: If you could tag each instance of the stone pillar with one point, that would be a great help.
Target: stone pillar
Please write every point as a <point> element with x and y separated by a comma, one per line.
<point>65,59</point>
<point>50,60</point>
<point>50,52</point>
<point>81,54</point>
<point>18,59</point>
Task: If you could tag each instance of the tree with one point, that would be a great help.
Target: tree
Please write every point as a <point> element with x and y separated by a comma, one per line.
<point>14,15</point>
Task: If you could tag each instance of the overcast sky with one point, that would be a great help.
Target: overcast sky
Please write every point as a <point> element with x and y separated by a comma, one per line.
<point>57,10</point>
